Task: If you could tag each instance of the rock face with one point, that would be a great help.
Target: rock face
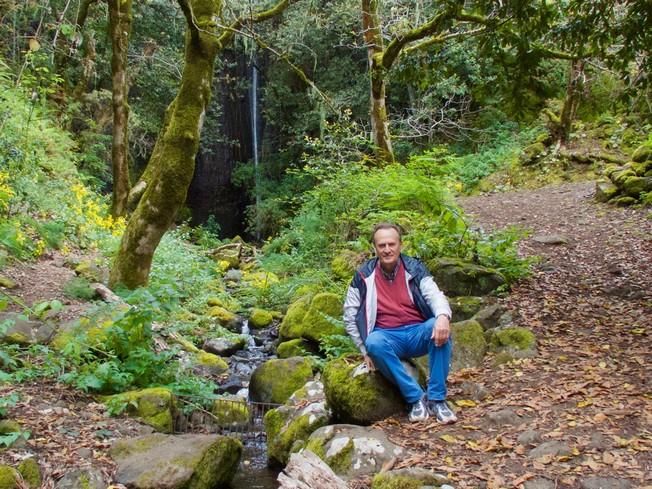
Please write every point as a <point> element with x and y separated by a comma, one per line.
<point>24,332</point>
<point>313,318</point>
<point>276,380</point>
<point>357,395</point>
<point>352,451</point>
<point>456,277</point>
<point>160,461</point>
<point>469,344</point>
<point>289,426</point>
<point>627,184</point>
<point>155,406</point>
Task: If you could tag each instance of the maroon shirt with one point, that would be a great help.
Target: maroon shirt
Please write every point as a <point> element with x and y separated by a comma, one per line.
<point>395,308</point>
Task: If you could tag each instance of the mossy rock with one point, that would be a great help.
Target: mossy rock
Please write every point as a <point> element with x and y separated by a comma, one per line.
<point>457,278</point>
<point>642,168</point>
<point>469,344</point>
<point>31,473</point>
<point>7,283</point>
<point>223,316</point>
<point>229,254</point>
<point>643,153</point>
<point>623,201</point>
<point>91,271</point>
<point>210,363</point>
<point>275,380</point>
<point>359,398</point>
<point>230,412</point>
<point>94,328</point>
<point>184,343</point>
<point>465,307</point>
<point>619,177</point>
<point>292,324</point>
<point>155,406</point>
<point>9,426</point>
<point>410,478</point>
<point>634,186</point>
<point>260,318</point>
<point>24,332</point>
<point>260,279</point>
<point>215,301</point>
<point>605,190</point>
<point>345,263</point>
<point>9,477</point>
<point>318,321</point>
<point>297,347</point>
<point>516,341</point>
<point>532,153</point>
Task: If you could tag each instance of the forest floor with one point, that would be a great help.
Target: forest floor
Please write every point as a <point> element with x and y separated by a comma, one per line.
<point>579,414</point>
<point>584,402</point>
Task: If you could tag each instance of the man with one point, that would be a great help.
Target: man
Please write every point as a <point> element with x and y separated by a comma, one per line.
<point>393,311</point>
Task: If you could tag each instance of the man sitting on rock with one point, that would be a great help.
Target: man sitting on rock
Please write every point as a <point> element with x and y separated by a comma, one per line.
<point>394,311</point>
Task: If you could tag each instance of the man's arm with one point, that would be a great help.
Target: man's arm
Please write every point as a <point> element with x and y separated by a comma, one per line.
<point>440,308</point>
<point>351,306</point>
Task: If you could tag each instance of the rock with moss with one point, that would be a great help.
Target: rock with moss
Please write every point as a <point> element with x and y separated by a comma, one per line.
<point>464,307</point>
<point>184,343</point>
<point>345,263</point>
<point>413,477</point>
<point>230,412</point>
<point>623,201</point>
<point>490,316</point>
<point>155,406</point>
<point>357,395</point>
<point>260,318</point>
<point>623,173</point>
<point>86,478</point>
<point>91,271</point>
<point>292,324</point>
<point>313,318</point>
<point>469,344</point>
<point>31,473</point>
<point>9,477</point>
<point>456,277</point>
<point>532,153</point>
<point>187,461</point>
<point>634,186</point>
<point>643,153</point>
<point>225,346</point>
<point>353,451</point>
<point>276,380</point>
<point>605,190</point>
<point>9,426</point>
<point>93,329</point>
<point>207,364</point>
<point>24,332</point>
<point>228,253</point>
<point>223,316</point>
<point>289,426</point>
<point>295,348</point>
<point>515,341</point>
<point>260,279</point>
<point>7,283</point>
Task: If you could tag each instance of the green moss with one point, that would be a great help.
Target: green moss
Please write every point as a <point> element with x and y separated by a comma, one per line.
<point>276,380</point>
<point>7,283</point>
<point>79,288</point>
<point>464,307</point>
<point>156,406</point>
<point>230,412</point>
<point>623,201</point>
<point>223,316</point>
<point>283,437</point>
<point>325,308</point>
<point>260,280</point>
<point>185,344</point>
<point>642,153</point>
<point>293,348</point>
<point>388,481</point>
<point>215,301</point>
<point>215,362</point>
<point>218,465</point>
<point>532,153</point>
<point>129,446</point>
<point>345,263</point>
<point>17,338</point>
<point>514,338</point>
<point>634,185</point>
<point>341,462</point>
<point>9,426</point>
<point>31,473</point>
<point>8,477</point>
<point>469,344</point>
<point>292,323</point>
<point>260,318</point>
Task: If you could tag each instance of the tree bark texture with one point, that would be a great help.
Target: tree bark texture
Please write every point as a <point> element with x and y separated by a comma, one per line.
<point>172,164</point>
<point>120,31</point>
<point>574,90</point>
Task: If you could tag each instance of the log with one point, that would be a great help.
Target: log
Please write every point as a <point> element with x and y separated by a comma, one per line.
<point>105,293</point>
<point>305,470</point>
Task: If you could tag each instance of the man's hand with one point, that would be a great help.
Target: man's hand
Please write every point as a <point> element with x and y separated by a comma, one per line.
<point>370,363</point>
<point>442,330</point>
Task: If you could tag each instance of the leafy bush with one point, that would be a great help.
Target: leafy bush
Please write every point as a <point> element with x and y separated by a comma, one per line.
<point>79,288</point>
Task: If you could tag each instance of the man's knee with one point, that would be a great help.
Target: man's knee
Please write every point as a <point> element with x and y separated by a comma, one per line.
<point>376,344</point>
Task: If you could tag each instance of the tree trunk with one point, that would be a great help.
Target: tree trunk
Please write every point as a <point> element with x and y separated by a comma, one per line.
<point>378,110</point>
<point>574,90</point>
<point>120,30</point>
<point>173,160</point>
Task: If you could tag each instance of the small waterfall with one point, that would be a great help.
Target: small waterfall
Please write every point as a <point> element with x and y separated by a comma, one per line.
<point>251,343</point>
<point>255,130</point>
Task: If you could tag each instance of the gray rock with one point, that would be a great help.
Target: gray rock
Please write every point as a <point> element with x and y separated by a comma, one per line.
<point>233,275</point>
<point>456,277</point>
<point>539,483</point>
<point>22,331</point>
<point>599,442</point>
<point>489,317</point>
<point>503,417</point>
<point>277,379</point>
<point>176,461</point>
<point>605,483</point>
<point>353,451</point>
<point>552,448</point>
<point>550,239</point>
<point>224,347</point>
<point>90,478</point>
<point>475,391</point>
<point>426,477</point>
<point>470,344</point>
<point>529,437</point>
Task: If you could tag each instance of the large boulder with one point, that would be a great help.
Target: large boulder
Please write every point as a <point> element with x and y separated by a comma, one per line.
<point>469,344</point>
<point>456,277</point>
<point>297,347</point>
<point>230,412</point>
<point>315,319</point>
<point>605,190</point>
<point>464,307</point>
<point>206,364</point>
<point>275,380</point>
<point>225,346</point>
<point>155,406</point>
<point>353,451</point>
<point>228,255</point>
<point>223,316</point>
<point>289,426</point>
<point>31,473</point>
<point>9,477</point>
<point>22,331</point>
<point>357,395</point>
<point>188,461</point>
<point>260,318</point>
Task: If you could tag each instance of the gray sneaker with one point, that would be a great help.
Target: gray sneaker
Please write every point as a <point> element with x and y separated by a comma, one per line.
<point>441,411</point>
<point>418,411</point>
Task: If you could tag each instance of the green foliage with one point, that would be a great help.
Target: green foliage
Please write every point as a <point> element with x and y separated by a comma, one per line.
<point>336,346</point>
<point>8,401</point>
<point>8,439</point>
<point>79,288</point>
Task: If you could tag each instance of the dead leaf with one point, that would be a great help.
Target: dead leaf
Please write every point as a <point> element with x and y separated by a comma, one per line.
<point>465,403</point>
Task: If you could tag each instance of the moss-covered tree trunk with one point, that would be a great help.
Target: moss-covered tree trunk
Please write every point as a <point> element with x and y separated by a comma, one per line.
<point>120,31</point>
<point>173,159</point>
<point>574,90</point>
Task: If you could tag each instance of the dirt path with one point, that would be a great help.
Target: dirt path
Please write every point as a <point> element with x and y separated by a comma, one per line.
<point>585,401</point>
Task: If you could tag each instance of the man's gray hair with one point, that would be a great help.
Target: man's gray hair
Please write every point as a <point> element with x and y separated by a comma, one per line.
<point>387,225</point>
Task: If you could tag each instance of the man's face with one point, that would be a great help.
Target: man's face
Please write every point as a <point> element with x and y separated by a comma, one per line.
<point>387,244</point>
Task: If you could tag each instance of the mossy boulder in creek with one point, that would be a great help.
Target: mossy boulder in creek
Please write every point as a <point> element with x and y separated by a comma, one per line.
<point>206,364</point>
<point>9,477</point>
<point>456,277</point>
<point>155,406</point>
<point>410,478</point>
<point>469,344</point>
<point>230,412</point>
<point>223,316</point>
<point>517,342</point>
<point>289,426</point>
<point>295,348</point>
<point>353,451</point>
<point>276,380</point>
<point>259,318</point>
<point>31,473</point>
<point>319,319</point>
<point>357,395</point>
<point>176,462</point>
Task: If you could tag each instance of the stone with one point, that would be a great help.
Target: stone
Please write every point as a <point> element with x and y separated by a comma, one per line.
<point>634,186</point>
<point>345,263</point>
<point>224,347</point>
<point>605,190</point>
<point>207,364</point>
<point>550,239</point>
<point>297,347</point>
<point>539,483</point>
<point>529,437</point>
<point>503,417</point>
<point>91,271</point>
<point>469,344</point>
<point>233,275</point>
<point>465,307</point>
<point>353,451</point>
<point>187,461</point>
<point>289,426</point>
<point>313,317</point>
<point>292,323</point>
<point>155,406</point>
<point>642,153</point>
<point>489,317</point>
<point>259,318</point>
<point>515,341</point>
<point>532,153</point>
<point>24,332</point>
<point>551,449</point>
<point>413,477</point>
<point>87,478</point>
<point>229,254</point>
<point>306,471</point>
<point>605,483</point>
<point>276,380</point>
<point>475,391</point>
<point>31,473</point>
<point>223,316</point>
<point>623,201</point>
<point>360,399</point>
<point>230,412</point>
<point>7,283</point>
<point>9,477</point>
<point>619,176</point>
<point>456,277</point>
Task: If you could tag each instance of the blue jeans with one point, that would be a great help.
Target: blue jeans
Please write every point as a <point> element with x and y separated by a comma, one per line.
<point>387,347</point>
